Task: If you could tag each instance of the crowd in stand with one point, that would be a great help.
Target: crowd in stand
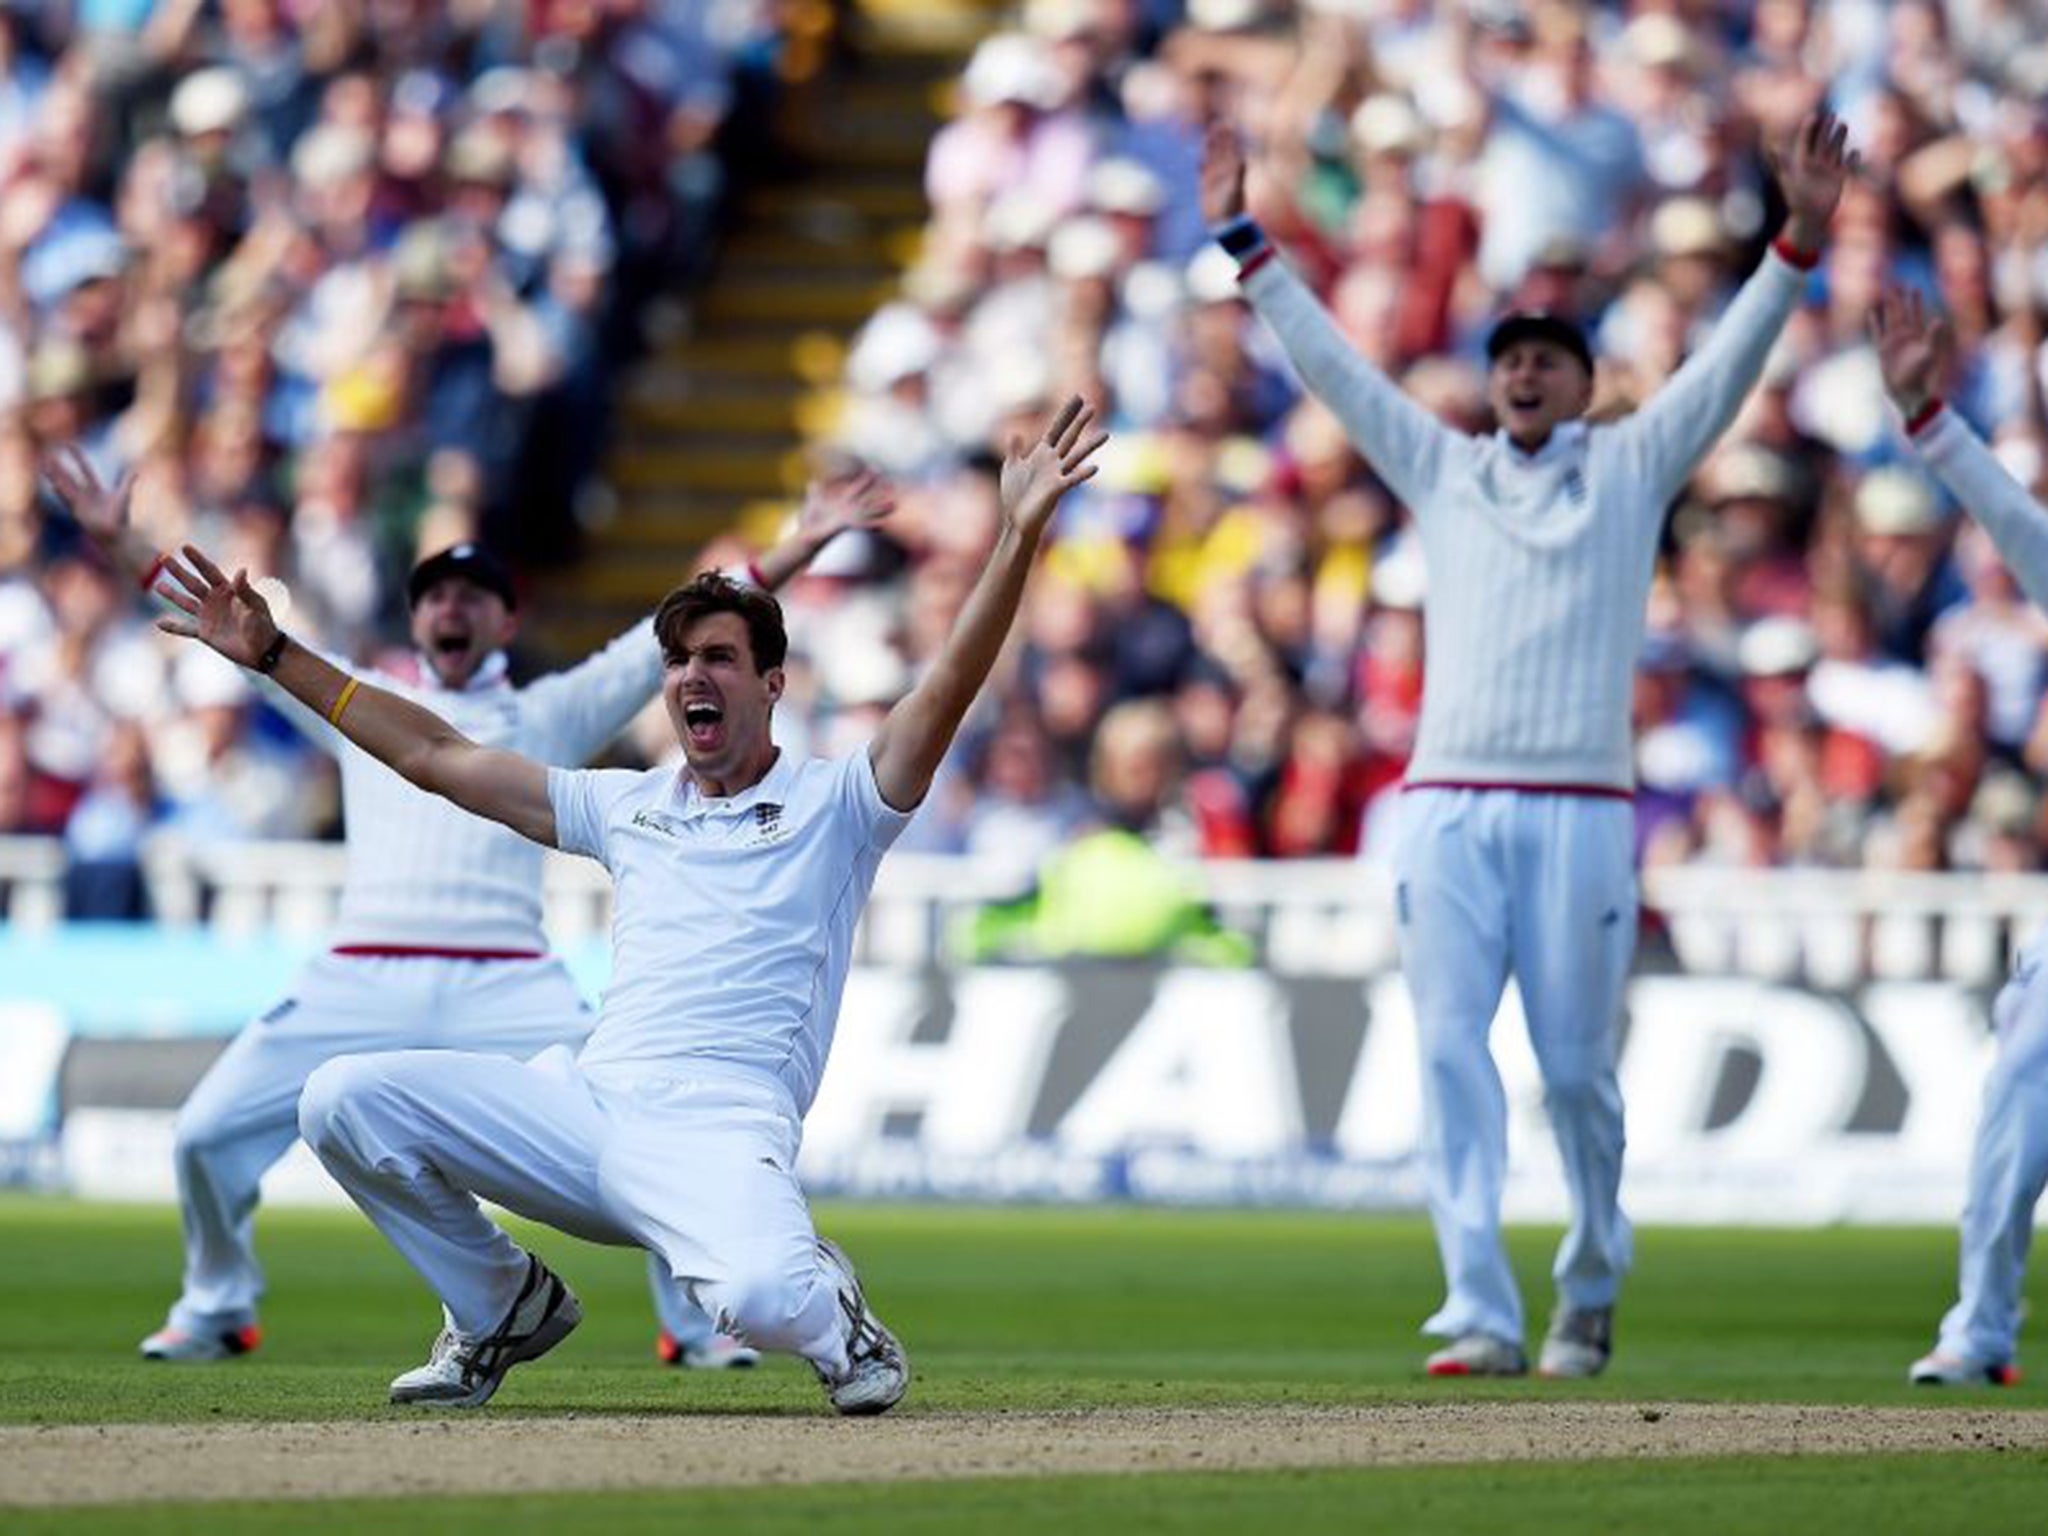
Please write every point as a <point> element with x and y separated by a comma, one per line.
<point>338,283</point>
<point>1225,655</point>
<point>285,272</point>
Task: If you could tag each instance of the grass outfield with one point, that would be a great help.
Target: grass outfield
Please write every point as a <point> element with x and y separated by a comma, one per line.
<point>1817,1496</point>
<point>1054,1309</point>
<point>998,1308</point>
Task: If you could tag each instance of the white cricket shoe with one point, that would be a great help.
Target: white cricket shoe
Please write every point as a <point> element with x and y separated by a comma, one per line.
<point>1579,1344</point>
<point>877,1371</point>
<point>463,1372</point>
<point>719,1352</point>
<point>178,1344</point>
<point>1940,1370</point>
<point>1478,1354</point>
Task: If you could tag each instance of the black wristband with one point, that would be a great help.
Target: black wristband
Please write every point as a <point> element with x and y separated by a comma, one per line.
<point>1241,236</point>
<point>273,653</point>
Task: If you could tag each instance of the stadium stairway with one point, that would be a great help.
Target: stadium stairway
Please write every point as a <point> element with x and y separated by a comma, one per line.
<point>712,426</point>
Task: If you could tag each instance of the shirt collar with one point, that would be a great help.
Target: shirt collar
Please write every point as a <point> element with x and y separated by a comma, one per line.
<point>1561,435</point>
<point>771,788</point>
<point>490,673</point>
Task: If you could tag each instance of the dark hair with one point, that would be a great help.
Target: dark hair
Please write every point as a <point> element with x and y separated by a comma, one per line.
<point>715,593</point>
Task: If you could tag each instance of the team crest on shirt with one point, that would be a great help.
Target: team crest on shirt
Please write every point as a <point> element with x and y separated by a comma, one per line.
<point>1575,485</point>
<point>768,823</point>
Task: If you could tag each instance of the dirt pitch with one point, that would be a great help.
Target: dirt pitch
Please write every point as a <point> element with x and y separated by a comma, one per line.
<point>121,1463</point>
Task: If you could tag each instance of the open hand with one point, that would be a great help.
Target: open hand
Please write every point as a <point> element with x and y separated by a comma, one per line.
<point>1811,171</point>
<point>227,614</point>
<point>855,496</point>
<point>1222,174</point>
<point>1034,479</point>
<point>100,512</point>
<point>1913,347</point>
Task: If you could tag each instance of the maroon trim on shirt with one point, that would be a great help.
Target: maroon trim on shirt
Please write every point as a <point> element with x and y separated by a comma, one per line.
<point>1805,261</point>
<point>432,952</point>
<point>1256,260</point>
<point>1921,419</point>
<point>1595,791</point>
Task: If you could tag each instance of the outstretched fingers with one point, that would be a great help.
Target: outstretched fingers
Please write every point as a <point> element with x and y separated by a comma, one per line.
<point>204,566</point>
<point>1074,458</point>
<point>1056,435</point>
<point>177,571</point>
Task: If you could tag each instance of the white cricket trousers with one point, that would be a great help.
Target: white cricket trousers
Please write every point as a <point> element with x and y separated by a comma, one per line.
<point>2008,1170</point>
<point>1541,886</point>
<point>244,1113</point>
<point>698,1166</point>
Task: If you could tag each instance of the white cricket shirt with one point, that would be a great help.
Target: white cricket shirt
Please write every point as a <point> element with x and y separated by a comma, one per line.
<point>422,873</point>
<point>2017,523</point>
<point>733,917</point>
<point>1539,564</point>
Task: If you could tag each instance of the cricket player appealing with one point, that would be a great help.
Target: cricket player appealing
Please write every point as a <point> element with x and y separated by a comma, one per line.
<point>2009,1166</point>
<point>738,879</point>
<point>1516,827</point>
<point>439,943</point>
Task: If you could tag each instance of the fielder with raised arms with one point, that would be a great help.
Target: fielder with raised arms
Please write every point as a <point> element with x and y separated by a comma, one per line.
<point>439,940</point>
<point>739,880</point>
<point>1979,1336</point>
<point>1516,847</point>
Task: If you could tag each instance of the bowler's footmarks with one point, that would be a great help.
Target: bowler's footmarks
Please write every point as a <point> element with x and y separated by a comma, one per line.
<point>877,1371</point>
<point>463,1372</point>
<point>186,1346</point>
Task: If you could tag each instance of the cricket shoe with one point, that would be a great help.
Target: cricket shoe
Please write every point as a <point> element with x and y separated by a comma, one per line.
<point>718,1352</point>
<point>181,1344</point>
<point>1939,1370</point>
<point>877,1372</point>
<point>1478,1354</point>
<point>463,1372</point>
<point>1579,1344</point>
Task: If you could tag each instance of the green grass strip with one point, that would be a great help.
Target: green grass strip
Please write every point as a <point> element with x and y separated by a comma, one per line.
<point>1898,1495</point>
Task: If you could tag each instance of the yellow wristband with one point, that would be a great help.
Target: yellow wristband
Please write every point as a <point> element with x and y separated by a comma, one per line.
<point>348,691</point>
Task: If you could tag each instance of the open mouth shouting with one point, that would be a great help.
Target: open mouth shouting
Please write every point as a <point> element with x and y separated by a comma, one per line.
<point>703,724</point>
<point>453,654</point>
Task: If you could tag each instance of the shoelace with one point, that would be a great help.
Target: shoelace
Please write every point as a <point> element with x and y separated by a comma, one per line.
<point>479,1357</point>
<point>865,1340</point>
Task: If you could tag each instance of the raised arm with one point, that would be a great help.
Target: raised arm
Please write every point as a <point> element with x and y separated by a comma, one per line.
<point>1670,435</point>
<point>230,616</point>
<point>852,495</point>
<point>907,749</point>
<point>103,514</point>
<point>100,511</point>
<point>1403,442</point>
<point>1913,348</point>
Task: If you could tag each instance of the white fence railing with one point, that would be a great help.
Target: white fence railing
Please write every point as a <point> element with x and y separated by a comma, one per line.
<point>1820,928</point>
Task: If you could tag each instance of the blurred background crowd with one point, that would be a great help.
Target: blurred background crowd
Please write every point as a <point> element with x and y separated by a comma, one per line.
<point>319,277</point>
<point>1225,652</point>
<point>341,281</point>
